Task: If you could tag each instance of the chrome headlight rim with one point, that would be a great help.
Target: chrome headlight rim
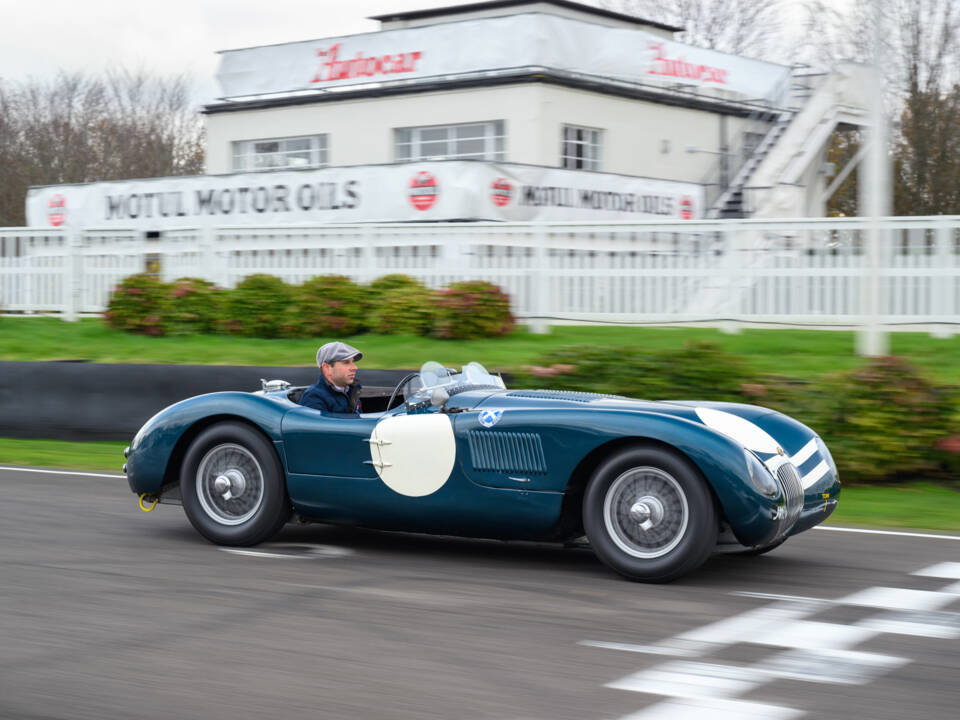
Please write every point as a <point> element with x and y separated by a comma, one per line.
<point>761,477</point>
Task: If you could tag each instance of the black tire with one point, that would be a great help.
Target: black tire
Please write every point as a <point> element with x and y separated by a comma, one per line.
<point>232,485</point>
<point>649,514</point>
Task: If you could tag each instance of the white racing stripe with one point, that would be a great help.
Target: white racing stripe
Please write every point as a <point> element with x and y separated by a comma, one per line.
<point>61,472</point>
<point>818,472</point>
<point>804,453</point>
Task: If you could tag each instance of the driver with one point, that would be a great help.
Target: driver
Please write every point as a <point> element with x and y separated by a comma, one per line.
<point>335,391</point>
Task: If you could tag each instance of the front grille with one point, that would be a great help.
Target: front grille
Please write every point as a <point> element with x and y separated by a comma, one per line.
<point>789,478</point>
<point>506,452</point>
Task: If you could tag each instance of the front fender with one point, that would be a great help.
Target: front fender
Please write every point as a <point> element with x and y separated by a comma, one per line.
<point>720,459</point>
<point>154,445</point>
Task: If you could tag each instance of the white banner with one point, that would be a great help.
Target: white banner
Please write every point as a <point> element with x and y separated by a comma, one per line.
<point>429,191</point>
<point>516,41</point>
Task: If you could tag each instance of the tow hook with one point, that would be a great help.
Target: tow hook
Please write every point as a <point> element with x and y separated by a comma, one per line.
<point>148,497</point>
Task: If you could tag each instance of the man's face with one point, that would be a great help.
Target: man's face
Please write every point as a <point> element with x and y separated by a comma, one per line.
<point>340,373</point>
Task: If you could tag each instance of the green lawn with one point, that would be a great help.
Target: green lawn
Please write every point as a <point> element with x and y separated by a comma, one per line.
<point>98,456</point>
<point>792,353</point>
<point>915,505</point>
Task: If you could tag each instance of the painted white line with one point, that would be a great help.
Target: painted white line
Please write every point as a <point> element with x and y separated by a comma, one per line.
<point>814,475</point>
<point>61,472</point>
<point>715,709</point>
<point>811,635</point>
<point>804,453</point>
<point>647,649</point>
<point>898,533</point>
<point>691,680</point>
<point>837,667</point>
<point>949,570</point>
<point>890,598</point>
<point>775,596</point>
<point>291,551</point>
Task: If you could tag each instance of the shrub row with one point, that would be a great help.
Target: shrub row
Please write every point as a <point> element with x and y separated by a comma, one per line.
<point>883,421</point>
<point>329,305</point>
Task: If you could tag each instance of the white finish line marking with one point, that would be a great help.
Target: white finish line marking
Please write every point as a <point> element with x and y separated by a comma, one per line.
<point>62,472</point>
<point>949,570</point>
<point>715,709</point>
<point>890,598</point>
<point>816,651</point>
<point>898,533</point>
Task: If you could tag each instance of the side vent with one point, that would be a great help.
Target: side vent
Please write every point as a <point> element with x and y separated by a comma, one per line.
<point>506,452</point>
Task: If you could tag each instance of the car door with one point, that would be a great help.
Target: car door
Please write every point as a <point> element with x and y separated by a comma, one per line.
<point>333,445</point>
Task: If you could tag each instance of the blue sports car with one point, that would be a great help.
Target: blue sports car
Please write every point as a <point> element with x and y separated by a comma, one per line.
<point>655,487</point>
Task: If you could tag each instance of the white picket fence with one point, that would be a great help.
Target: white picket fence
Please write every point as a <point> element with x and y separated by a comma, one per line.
<point>816,272</point>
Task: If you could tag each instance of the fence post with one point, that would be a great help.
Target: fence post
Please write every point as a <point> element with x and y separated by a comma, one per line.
<point>872,341</point>
<point>942,304</point>
<point>539,324</point>
<point>734,241</point>
<point>72,268</point>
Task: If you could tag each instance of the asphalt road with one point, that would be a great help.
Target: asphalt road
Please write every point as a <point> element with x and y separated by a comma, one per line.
<point>107,612</point>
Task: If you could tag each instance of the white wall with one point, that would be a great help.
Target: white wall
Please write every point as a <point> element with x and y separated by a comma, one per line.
<point>360,131</point>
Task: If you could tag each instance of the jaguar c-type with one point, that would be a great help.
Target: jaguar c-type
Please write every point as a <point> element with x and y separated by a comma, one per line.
<point>655,487</point>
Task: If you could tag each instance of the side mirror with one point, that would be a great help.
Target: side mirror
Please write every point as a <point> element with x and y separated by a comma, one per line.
<point>439,397</point>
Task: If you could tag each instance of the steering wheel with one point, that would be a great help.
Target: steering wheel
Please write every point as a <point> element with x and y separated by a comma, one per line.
<point>396,390</point>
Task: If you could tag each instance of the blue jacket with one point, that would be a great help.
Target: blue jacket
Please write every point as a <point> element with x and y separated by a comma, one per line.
<point>324,396</point>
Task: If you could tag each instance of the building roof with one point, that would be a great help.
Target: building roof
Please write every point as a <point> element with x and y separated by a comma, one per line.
<point>441,12</point>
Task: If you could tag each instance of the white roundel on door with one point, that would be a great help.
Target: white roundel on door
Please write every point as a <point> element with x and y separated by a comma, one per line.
<point>414,454</point>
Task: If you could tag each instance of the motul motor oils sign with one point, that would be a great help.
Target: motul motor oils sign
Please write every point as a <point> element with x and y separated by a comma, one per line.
<point>451,190</point>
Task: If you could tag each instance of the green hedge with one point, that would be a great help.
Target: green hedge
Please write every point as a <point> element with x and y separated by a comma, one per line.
<point>265,306</point>
<point>883,422</point>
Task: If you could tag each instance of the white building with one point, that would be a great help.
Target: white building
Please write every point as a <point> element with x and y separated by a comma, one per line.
<point>498,110</point>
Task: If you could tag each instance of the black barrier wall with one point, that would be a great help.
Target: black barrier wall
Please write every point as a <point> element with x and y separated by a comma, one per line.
<point>90,401</point>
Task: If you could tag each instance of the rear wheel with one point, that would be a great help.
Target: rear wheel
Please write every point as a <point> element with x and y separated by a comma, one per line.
<point>649,514</point>
<point>232,486</point>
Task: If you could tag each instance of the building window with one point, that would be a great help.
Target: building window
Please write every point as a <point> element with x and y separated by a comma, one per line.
<point>581,148</point>
<point>477,141</point>
<point>292,152</point>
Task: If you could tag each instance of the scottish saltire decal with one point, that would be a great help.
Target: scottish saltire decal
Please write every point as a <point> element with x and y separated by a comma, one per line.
<point>489,418</point>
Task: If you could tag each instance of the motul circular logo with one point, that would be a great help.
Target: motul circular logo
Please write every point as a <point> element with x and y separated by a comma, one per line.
<point>501,192</point>
<point>57,210</point>
<point>686,207</point>
<point>423,190</point>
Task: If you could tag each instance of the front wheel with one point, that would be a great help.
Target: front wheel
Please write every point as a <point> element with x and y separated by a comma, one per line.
<point>232,486</point>
<point>649,514</point>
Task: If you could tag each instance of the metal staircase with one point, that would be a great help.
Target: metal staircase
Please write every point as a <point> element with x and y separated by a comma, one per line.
<point>794,138</point>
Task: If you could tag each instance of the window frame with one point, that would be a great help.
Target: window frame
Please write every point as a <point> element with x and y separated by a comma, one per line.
<point>245,158</point>
<point>408,142</point>
<point>591,142</point>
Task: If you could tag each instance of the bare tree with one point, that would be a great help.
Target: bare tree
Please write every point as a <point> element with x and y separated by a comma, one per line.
<point>922,56</point>
<point>77,129</point>
<point>744,27</point>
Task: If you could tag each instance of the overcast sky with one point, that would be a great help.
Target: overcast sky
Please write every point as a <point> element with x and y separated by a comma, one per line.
<point>170,36</point>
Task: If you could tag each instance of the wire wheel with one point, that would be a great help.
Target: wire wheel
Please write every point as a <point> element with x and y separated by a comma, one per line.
<point>645,512</point>
<point>230,484</point>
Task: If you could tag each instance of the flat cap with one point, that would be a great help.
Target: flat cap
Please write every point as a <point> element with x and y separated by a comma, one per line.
<point>335,351</point>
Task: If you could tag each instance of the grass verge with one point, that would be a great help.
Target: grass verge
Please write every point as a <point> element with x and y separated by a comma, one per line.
<point>96,456</point>
<point>791,353</point>
<point>914,505</point>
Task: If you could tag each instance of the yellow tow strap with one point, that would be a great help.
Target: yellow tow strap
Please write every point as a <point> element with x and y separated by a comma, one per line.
<point>148,509</point>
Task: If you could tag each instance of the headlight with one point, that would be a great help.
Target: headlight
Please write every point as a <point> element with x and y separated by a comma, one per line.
<point>760,476</point>
<point>825,454</point>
